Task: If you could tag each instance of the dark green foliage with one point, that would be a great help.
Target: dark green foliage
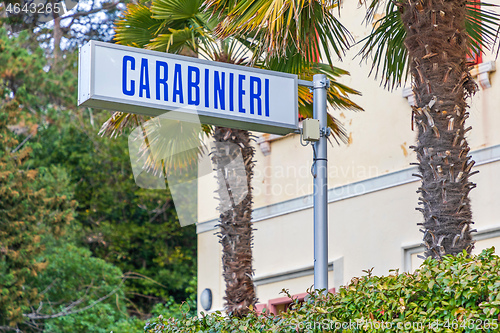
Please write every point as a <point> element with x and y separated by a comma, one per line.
<point>135,229</point>
<point>27,209</point>
<point>21,230</point>
<point>73,282</point>
<point>43,277</point>
<point>461,294</point>
<point>27,74</point>
<point>169,309</point>
<point>51,162</point>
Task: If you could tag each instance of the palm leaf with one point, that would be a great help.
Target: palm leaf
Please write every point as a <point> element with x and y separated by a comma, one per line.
<point>338,94</point>
<point>170,145</point>
<point>154,29</point>
<point>309,25</point>
<point>114,126</point>
<point>174,41</point>
<point>137,27</point>
<point>482,26</point>
<point>174,12</point>
<point>385,44</point>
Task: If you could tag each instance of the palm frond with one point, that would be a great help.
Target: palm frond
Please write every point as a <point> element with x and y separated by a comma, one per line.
<point>338,94</point>
<point>171,144</point>
<point>384,47</point>
<point>482,26</point>
<point>174,25</point>
<point>372,9</point>
<point>309,25</point>
<point>174,41</point>
<point>337,98</point>
<point>137,27</point>
<point>176,11</point>
<point>114,126</point>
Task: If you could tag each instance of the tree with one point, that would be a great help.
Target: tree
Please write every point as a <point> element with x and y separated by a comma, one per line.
<point>134,229</point>
<point>50,154</point>
<point>80,292</point>
<point>433,39</point>
<point>22,226</point>
<point>37,208</point>
<point>174,26</point>
<point>84,20</point>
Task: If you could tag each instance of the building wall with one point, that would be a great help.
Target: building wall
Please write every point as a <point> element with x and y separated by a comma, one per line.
<point>372,220</point>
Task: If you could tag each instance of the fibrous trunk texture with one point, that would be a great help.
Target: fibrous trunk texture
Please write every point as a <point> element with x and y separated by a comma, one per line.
<point>235,223</point>
<point>437,46</point>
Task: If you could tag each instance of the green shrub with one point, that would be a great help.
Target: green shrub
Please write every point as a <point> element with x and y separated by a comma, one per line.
<point>74,277</point>
<point>169,309</point>
<point>457,294</point>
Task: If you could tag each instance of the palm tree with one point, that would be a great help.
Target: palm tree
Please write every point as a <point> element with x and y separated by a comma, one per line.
<point>432,38</point>
<point>187,27</point>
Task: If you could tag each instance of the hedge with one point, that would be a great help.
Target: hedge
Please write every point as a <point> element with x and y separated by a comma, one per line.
<point>457,294</point>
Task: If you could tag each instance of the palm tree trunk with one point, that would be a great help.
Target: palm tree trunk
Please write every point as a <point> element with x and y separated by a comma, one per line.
<point>235,224</point>
<point>437,45</point>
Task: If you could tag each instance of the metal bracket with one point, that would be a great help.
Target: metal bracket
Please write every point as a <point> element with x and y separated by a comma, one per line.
<point>305,83</point>
<point>325,131</point>
<point>323,83</point>
<point>315,85</point>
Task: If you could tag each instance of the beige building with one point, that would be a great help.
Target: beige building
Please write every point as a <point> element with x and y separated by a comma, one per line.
<point>372,199</point>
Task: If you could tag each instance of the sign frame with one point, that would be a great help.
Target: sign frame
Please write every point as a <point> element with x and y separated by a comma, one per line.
<point>88,97</point>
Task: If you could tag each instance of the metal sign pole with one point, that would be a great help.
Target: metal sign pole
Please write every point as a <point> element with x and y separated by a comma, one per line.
<point>320,86</point>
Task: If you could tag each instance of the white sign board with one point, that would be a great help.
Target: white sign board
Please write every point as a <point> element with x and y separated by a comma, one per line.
<point>133,80</point>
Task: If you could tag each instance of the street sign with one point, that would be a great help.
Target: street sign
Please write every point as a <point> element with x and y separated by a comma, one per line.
<point>133,80</point>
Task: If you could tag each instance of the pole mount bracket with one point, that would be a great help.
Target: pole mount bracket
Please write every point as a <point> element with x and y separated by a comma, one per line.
<point>320,84</point>
<point>325,131</point>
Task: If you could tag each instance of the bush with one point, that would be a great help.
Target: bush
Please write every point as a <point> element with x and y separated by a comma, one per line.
<point>170,309</point>
<point>457,294</point>
<point>75,280</point>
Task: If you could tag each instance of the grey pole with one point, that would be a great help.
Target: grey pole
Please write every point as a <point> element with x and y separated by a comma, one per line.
<point>320,86</point>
